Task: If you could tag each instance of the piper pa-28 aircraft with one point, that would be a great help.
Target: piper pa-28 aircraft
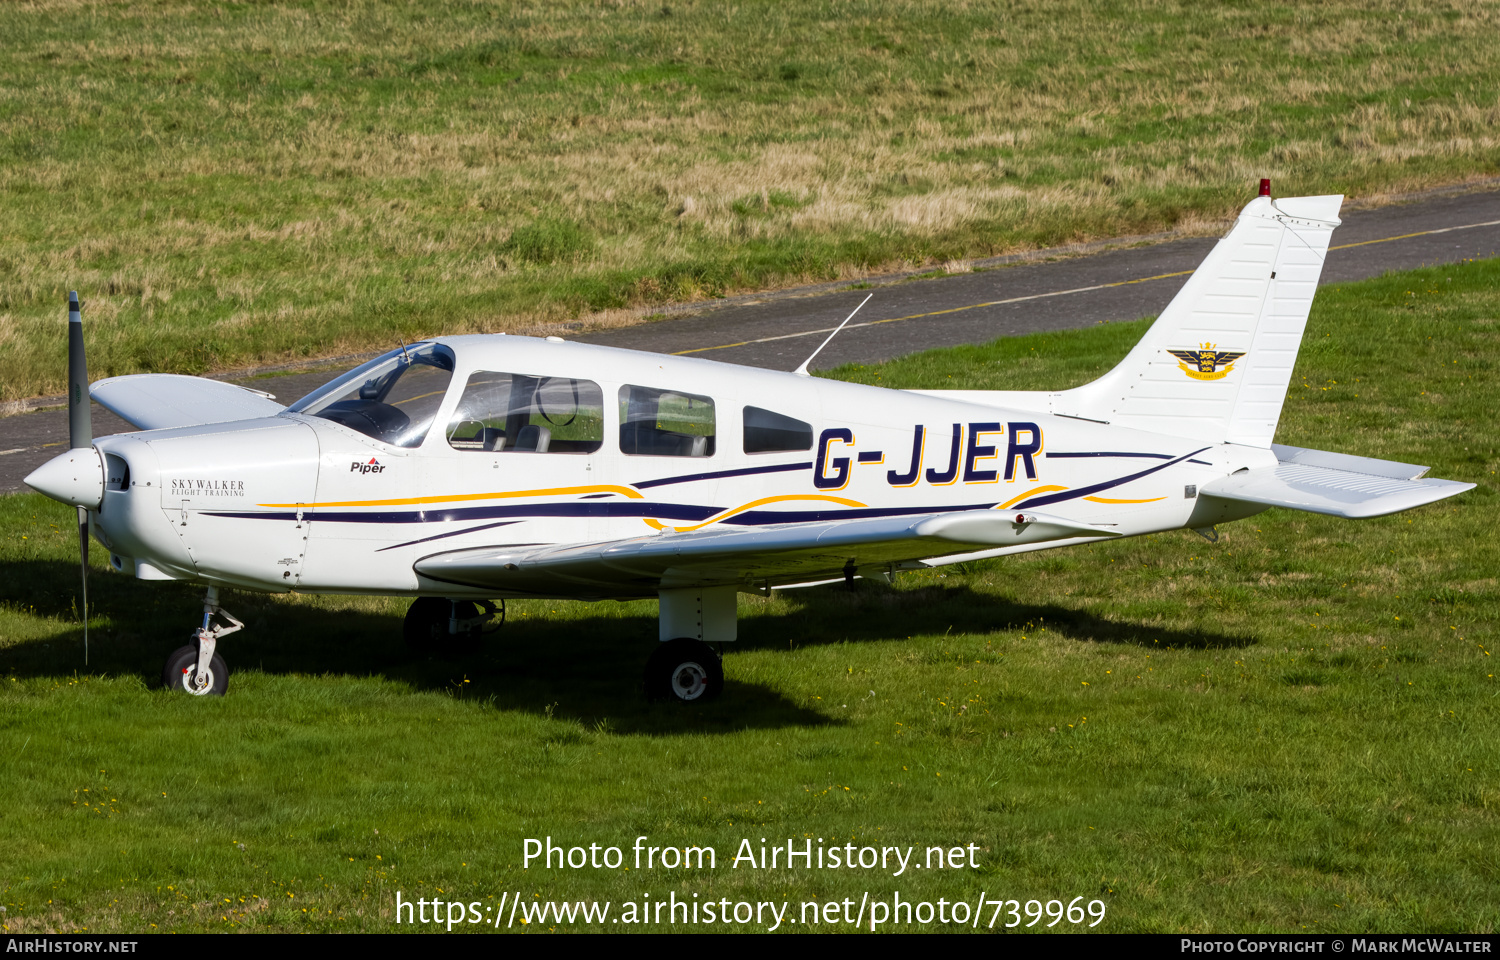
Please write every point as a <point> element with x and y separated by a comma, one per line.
<point>466,470</point>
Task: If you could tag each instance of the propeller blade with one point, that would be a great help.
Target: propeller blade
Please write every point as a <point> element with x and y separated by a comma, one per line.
<point>83,556</point>
<point>80,435</point>
<point>80,426</point>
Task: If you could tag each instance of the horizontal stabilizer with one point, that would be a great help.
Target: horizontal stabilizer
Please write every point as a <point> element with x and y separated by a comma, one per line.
<point>729,555</point>
<point>1338,493</point>
<point>1303,457</point>
<point>152,401</point>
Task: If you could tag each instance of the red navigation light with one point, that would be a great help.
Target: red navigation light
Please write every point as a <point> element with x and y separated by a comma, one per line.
<point>1265,187</point>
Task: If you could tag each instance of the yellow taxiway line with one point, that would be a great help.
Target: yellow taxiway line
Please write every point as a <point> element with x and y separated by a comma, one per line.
<point>1055,293</point>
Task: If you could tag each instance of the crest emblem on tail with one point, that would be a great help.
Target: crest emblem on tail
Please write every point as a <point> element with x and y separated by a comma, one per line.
<point>1205,362</point>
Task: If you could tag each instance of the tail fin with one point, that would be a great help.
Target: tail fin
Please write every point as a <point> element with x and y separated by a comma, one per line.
<point>1216,364</point>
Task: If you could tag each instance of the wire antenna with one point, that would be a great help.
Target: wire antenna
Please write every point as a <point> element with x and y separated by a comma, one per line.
<point>802,370</point>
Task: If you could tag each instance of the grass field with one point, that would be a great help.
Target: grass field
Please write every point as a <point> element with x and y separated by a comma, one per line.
<point>1292,729</point>
<point>235,183</point>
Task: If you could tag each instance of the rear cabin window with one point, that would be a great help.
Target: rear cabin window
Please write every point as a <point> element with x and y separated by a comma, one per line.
<point>517,413</point>
<point>769,432</point>
<point>664,423</point>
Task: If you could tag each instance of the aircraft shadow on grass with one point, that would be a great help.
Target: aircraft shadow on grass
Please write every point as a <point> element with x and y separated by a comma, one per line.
<point>869,612</point>
<point>584,669</point>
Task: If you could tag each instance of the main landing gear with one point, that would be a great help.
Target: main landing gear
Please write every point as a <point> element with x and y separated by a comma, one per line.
<point>197,668</point>
<point>449,628</point>
<point>685,670</point>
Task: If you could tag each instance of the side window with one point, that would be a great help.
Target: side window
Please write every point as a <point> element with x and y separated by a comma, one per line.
<point>769,432</point>
<point>515,413</point>
<point>663,423</point>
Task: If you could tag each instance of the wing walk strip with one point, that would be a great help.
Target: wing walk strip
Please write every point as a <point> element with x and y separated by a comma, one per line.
<point>1054,293</point>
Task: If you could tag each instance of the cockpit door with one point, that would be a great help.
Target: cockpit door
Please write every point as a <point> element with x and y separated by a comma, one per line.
<point>516,462</point>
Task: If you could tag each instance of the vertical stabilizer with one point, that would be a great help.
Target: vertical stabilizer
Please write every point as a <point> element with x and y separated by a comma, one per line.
<point>1216,364</point>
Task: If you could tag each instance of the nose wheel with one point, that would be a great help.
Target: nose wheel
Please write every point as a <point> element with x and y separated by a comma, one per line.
<point>181,673</point>
<point>684,671</point>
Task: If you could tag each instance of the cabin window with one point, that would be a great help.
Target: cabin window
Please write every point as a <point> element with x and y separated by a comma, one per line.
<point>664,423</point>
<point>517,413</point>
<point>393,398</point>
<point>770,432</point>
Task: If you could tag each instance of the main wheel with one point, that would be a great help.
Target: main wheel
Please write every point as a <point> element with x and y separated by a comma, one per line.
<point>181,673</point>
<point>426,627</point>
<point>684,670</point>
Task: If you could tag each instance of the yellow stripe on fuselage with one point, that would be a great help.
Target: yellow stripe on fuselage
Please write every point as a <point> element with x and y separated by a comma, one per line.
<point>1029,493</point>
<point>735,511</point>
<point>459,497</point>
<point>1109,500</point>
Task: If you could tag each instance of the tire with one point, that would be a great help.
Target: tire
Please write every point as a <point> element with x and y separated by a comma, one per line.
<point>182,668</point>
<point>685,671</point>
<point>425,629</point>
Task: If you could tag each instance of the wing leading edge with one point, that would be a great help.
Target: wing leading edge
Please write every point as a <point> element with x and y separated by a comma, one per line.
<point>784,553</point>
<point>152,401</point>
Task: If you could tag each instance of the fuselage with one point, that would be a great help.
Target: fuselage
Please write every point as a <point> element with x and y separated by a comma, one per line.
<point>615,444</point>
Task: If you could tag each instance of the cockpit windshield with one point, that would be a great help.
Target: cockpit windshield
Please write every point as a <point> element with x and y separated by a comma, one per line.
<point>393,398</point>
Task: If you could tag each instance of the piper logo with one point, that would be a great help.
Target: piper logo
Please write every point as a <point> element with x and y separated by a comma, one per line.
<point>374,466</point>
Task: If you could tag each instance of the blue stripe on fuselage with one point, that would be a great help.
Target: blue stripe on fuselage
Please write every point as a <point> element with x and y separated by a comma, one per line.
<point>744,472</point>
<point>1106,453</point>
<point>455,533</point>
<point>676,511</point>
<point>574,508</point>
<point>1096,487</point>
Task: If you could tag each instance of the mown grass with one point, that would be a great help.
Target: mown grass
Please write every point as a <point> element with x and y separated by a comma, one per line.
<point>234,183</point>
<point>1289,730</point>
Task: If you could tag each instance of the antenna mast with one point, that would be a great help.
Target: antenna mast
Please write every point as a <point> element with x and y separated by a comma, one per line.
<point>802,370</point>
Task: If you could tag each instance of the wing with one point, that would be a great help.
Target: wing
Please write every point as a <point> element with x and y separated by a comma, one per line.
<point>782,553</point>
<point>1189,357</point>
<point>151,401</point>
<point>1224,358</point>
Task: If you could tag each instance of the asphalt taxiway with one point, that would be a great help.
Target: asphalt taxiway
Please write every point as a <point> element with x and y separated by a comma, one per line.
<point>1036,294</point>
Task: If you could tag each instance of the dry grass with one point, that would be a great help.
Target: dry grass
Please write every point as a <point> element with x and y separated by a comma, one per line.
<point>242,183</point>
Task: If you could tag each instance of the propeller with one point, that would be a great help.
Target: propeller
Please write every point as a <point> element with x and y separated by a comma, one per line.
<point>80,436</point>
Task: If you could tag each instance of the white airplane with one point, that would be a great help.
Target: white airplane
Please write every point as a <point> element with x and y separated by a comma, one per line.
<point>466,470</point>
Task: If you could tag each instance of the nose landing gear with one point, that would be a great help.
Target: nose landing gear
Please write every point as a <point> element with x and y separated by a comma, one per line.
<point>197,668</point>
